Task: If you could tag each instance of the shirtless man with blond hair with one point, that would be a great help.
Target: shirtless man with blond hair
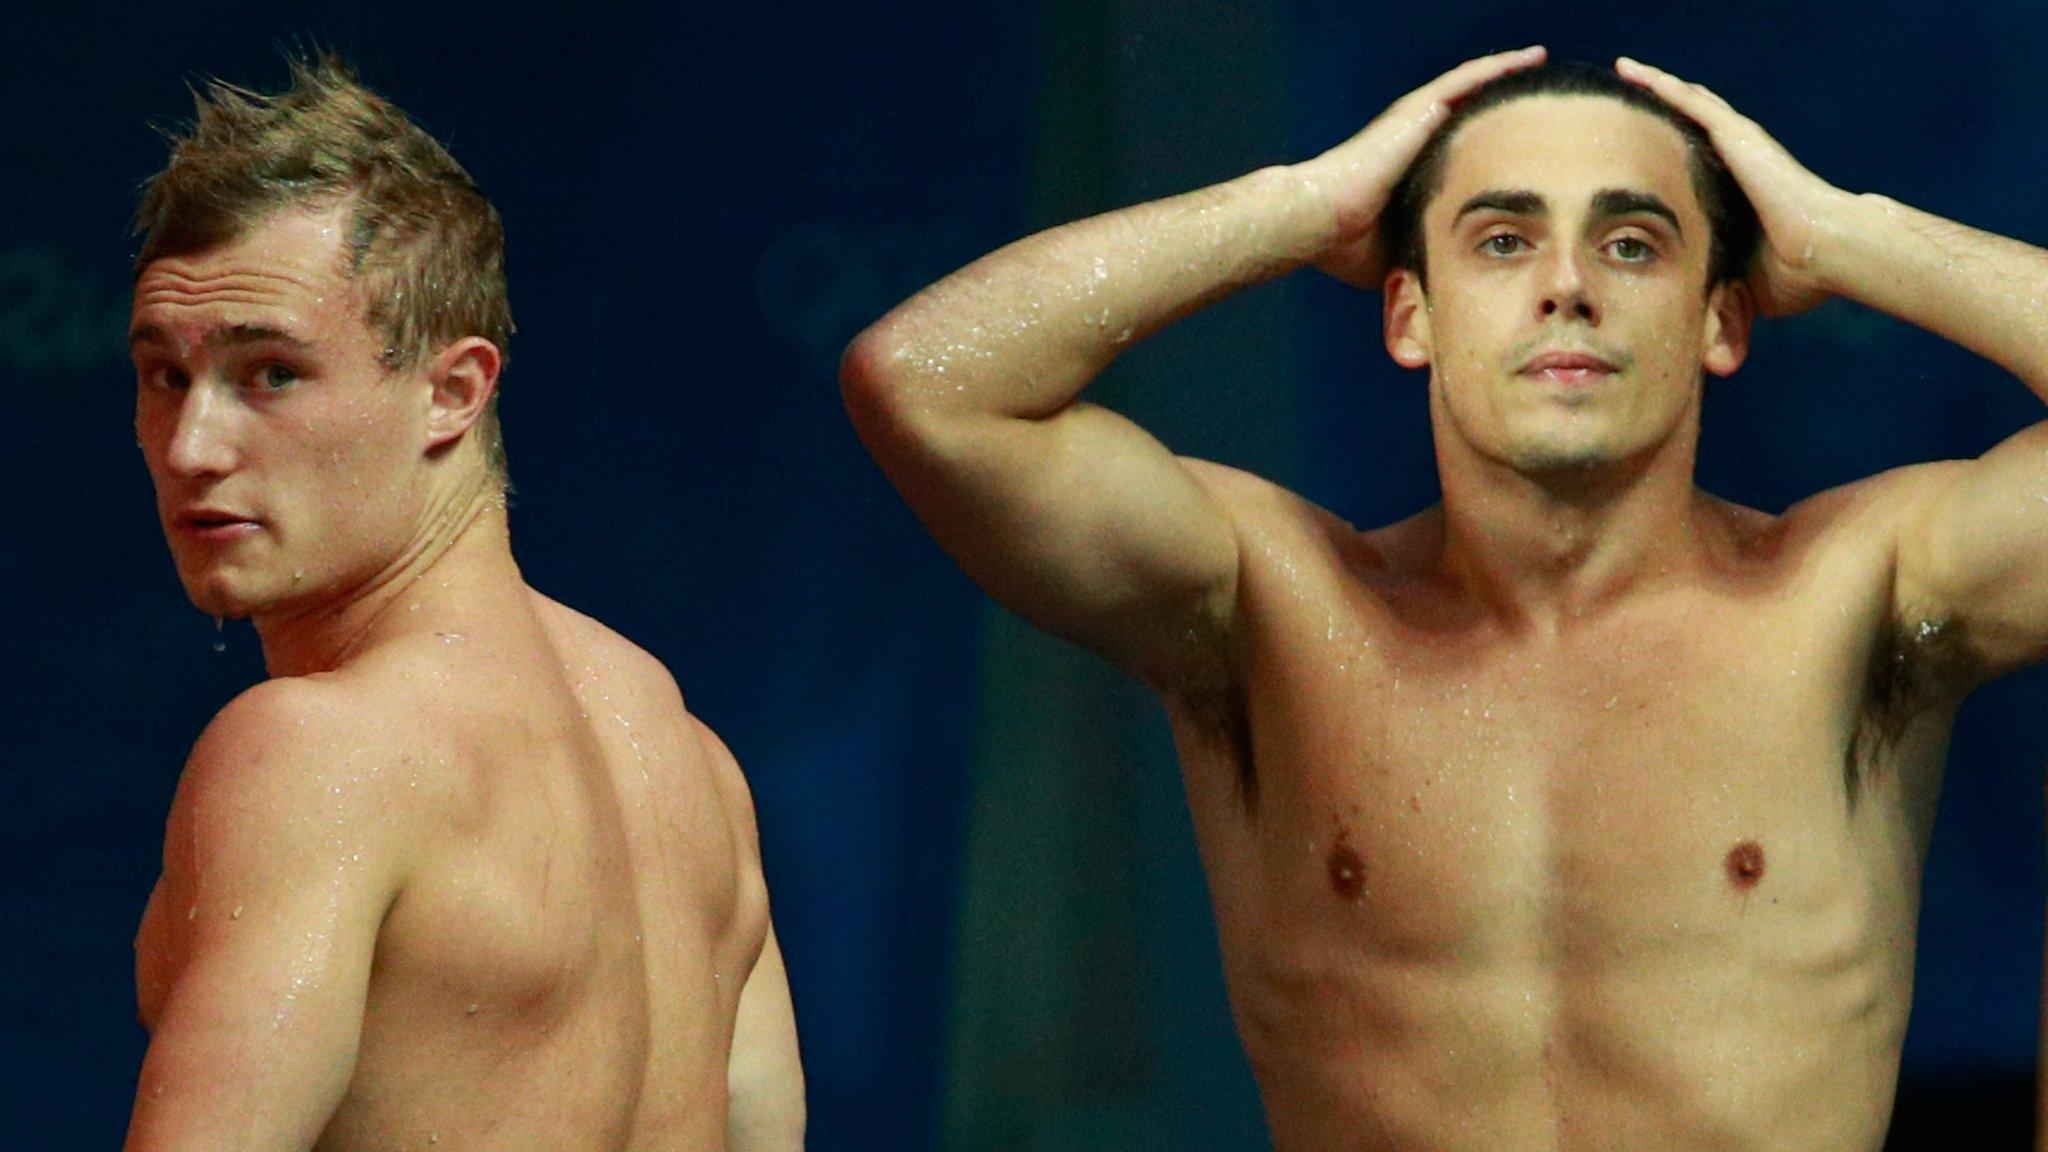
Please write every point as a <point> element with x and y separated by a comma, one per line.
<point>1583,810</point>
<point>463,873</point>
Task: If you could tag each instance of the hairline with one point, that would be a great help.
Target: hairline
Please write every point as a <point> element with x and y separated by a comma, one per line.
<point>1695,167</point>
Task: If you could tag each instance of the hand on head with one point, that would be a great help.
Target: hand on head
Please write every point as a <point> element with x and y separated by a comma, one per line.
<point>1794,206</point>
<point>1358,175</point>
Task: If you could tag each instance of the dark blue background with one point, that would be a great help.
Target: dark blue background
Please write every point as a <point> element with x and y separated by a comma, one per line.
<point>703,204</point>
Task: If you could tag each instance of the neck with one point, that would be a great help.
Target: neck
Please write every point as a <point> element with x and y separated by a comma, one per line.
<point>1539,549</point>
<point>463,547</point>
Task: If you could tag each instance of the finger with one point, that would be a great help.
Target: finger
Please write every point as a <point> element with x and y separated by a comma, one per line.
<point>1420,112</point>
<point>1727,127</point>
<point>1475,73</point>
<point>1695,100</point>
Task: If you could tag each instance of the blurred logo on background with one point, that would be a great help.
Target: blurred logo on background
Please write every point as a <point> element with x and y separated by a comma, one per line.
<point>56,318</point>
<point>820,284</point>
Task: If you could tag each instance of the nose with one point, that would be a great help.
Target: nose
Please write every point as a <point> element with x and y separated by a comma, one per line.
<point>200,443</point>
<point>1567,293</point>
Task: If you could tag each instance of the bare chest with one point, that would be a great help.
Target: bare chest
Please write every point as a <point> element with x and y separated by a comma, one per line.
<point>1445,792</point>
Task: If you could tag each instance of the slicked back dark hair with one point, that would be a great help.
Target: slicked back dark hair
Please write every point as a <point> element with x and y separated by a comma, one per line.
<point>1731,219</point>
<point>422,241</point>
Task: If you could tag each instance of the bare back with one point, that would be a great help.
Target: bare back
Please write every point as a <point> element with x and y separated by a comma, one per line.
<point>583,903</point>
<point>1646,882</point>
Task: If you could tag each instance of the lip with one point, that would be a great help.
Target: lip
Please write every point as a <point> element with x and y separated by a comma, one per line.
<point>214,525</point>
<point>1568,366</point>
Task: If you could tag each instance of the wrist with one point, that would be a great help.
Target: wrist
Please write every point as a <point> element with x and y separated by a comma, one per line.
<point>1846,233</point>
<point>1302,200</point>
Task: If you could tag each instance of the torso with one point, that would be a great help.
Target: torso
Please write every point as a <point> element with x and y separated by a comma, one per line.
<point>563,963</point>
<point>1644,880</point>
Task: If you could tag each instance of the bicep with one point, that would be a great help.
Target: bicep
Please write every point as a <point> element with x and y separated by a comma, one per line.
<point>1974,552</point>
<point>255,1042</point>
<point>764,1077</point>
<point>1080,522</point>
<point>276,890</point>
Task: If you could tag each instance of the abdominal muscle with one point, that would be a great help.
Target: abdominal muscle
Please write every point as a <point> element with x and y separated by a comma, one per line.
<point>1668,1048</point>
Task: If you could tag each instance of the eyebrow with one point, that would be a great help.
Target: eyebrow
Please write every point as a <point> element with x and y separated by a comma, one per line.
<point>1512,203</point>
<point>1608,203</point>
<point>235,335</point>
<point>1611,202</point>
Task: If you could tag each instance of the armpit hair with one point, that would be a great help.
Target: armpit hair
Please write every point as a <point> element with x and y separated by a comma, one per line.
<point>1918,664</point>
<point>1224,717</point>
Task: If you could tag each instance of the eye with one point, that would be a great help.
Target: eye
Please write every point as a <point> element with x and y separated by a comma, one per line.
<point>166,377</point>
<point>1631,249</point>
<point>273,377</point>
<point>1502,244</point>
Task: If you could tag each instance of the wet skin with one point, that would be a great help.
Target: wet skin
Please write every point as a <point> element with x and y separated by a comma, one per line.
<point>1584,810</point>
<point>465,873</point>
<point>1487,809</point>
<point>1609,881</point>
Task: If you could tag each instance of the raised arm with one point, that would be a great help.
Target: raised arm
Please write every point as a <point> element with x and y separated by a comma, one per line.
<point>1973,536</point>
<point>253,962</point>
<point>967,394</point>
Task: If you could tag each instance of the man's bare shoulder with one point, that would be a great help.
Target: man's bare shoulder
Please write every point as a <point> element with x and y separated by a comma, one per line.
<point>296,754</point>
<point>1854,527</point>
<point>326,738</point>
<point>292,785</point>
<point>1884,498</point>
<point>591,648</point>
<point>1274,519</point>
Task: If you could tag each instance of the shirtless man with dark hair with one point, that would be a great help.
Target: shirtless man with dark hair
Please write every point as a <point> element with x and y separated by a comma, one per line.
<point>464,873</point>
<point>1583,810</point>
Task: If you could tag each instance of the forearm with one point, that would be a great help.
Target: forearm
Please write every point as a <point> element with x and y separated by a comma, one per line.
<point>1985,292</point>
<point>1022,331</point>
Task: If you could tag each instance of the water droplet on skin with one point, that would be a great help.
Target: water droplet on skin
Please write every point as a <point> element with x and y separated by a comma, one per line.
<point>298,574</point>
<point>236,914</point>
<point>472,1009</point>
<point>192,912</point>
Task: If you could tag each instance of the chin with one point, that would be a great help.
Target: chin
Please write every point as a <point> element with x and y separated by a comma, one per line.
<point>218,595</point>
<point>1542,451</point>
<point>1562,460</point>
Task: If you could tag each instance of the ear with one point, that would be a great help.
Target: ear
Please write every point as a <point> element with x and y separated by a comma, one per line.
<point>463,377</point>
<point>1404,319</point>
<point>1724,344</point>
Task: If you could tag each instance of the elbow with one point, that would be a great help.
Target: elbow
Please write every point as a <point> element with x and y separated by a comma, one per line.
<point>879,390</point>
<point>869,383</point>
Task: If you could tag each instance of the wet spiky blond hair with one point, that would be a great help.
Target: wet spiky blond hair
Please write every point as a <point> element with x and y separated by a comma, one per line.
<point>422,241</point>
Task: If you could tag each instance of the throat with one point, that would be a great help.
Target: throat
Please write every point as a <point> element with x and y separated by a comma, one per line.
<point>1538,558</point>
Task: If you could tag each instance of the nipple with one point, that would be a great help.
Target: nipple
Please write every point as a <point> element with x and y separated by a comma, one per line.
<point>1347,871</point>
<point>1745,865</point>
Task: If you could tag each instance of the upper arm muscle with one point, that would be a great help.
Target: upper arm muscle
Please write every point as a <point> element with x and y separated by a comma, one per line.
<point>1082,523</point>
<point>1974,551</point>
<point>278,870</point>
